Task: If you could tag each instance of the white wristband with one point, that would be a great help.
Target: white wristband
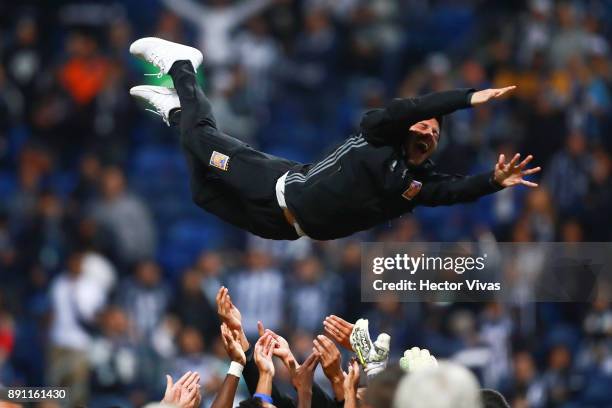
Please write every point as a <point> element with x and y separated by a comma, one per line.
<point>235,369</point>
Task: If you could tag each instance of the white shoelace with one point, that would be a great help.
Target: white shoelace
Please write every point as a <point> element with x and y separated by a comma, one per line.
<point>159,62</point>
<point>164,118</point>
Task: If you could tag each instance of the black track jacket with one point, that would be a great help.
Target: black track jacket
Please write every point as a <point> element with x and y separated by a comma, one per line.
<point>366,180</point>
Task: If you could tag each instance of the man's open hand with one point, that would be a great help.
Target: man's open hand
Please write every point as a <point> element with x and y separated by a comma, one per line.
<point>330,357</point>
<point>351,380</point>
<point>185,393</point>
<point>263,354</point>
<point>301,376</point>
<point>511,174</point>
<point>231,342</point>
<point>339,330</point>
<point>281,349</point>
<point>228,313</point>
<point>486,95</point>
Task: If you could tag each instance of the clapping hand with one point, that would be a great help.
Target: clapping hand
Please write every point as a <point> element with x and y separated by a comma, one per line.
<point>228,313</point>
<point>339,330</point>
<point>185,393</point>
<point>231,342</point>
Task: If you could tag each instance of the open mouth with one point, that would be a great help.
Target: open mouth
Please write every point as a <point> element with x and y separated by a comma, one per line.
<point>422,146</point>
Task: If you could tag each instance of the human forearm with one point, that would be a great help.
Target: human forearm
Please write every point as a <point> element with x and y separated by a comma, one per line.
<point>457,190</point>
<point>429,106</point>
<point>225,396</point>
<point>388,125</point>
<point>337,388</point>
<point>350,400</point>
<point>304,398</point>
<point>264,384</point>
<point>244,342</point>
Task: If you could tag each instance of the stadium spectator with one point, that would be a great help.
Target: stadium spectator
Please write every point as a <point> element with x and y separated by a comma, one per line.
<point>125,216</point>
<point>259,276</point>
<point>193,357</point>
<point>567,177</point>
<point>312,294</point>
<point>145,297</point>
<point>192,306</point>
<point>114,362</point>
<point>216,24</point>
<point>75,301</point>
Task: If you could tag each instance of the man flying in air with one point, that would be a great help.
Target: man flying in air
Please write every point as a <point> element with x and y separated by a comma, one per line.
<point>376,175</point>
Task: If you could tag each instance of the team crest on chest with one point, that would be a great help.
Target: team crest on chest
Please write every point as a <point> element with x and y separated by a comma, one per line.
<point>412,190</point>
<point>219,160</point>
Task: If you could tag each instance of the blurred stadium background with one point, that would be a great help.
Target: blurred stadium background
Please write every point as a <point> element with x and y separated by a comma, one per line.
<point>108,271</point>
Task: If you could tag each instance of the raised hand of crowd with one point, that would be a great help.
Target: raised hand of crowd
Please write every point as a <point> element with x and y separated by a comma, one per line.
<point>351,384</point>
<point>185,393</point>
<point>339,330</point>
<point>331,362</point>
<point>302,379</point>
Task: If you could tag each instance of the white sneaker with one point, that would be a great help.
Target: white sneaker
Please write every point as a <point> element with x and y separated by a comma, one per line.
<point>163,54</point>
<point>372,356</point>
<point>161,98</point>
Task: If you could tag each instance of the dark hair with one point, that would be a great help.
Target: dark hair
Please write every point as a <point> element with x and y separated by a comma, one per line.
<point>493,399</point>
<point>381,388</point>
<point>440,120</point>
<point>251,403</point>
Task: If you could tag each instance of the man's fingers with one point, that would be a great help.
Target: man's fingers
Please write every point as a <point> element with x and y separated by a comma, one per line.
<point>525,162</point>
<point>318,348</point>
<point>340,322</point>
<point>311,360</point>
<point>531,171</point>
<point>342,327</point>
<point>225,339</point>
<point>218,297</point>
<point>191,380</point>
<point>332,332</point>
<point>501,91</point>
<point>321,341</point>
<point>501,160</point>
<point>236,335</point>
<point>273,334</point>
<point>168,383</point>
<point>191,394</point>
<point>266,339</point>
<point>514,160</point>
<point>221,303</point>
<point>528,183</point>
<point>356,372</point>
<point>260,328</point>
<point>321,351</point>
<point>270,348</point>
<point>182,380</point>
<point>327,343</point>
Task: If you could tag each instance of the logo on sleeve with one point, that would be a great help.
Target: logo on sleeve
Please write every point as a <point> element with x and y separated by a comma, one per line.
<point>412,190</point>
<point>219,160</point>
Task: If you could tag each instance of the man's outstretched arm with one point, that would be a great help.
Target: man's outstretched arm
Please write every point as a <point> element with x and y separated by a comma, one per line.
<point>390,125</point>
<point>446,190</point>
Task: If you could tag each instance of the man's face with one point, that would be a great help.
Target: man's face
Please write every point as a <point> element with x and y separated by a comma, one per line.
<point>422,141</point>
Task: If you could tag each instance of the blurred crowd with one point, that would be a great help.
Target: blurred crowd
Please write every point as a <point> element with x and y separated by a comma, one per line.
<point>108,271</point>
